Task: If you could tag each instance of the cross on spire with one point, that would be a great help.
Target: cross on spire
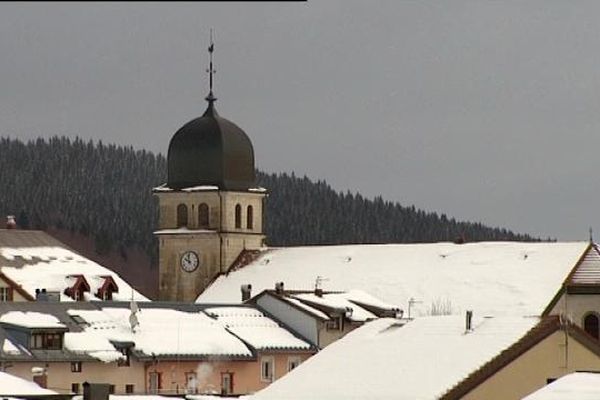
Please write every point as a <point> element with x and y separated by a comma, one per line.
<point>210,70</point>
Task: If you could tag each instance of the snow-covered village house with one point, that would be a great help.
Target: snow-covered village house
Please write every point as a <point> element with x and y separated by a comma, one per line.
<point>322,317</point>
<point>161,348</point>
<point>531,305</point>
<point>36,266</point>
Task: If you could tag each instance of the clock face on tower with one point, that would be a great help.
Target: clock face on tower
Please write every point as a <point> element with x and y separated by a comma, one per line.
<point>189,261</point>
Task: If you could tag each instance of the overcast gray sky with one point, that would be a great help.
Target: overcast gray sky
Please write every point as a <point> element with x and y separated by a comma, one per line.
<point>485,111</point>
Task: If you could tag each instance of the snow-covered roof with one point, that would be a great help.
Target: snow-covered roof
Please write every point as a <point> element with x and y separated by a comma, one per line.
<point>385,359</point>
<point>576,386</point>
<point>338,302</point>
<point>162,332</point>
<point>31,319</point>
<point>35,260</point>
<point>256,329</point>
<point>495,278</point>
<point>11,385</point>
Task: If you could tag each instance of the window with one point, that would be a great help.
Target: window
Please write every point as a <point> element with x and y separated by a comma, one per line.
<point>76,366</point>
<point>129,388</point>
<point>191,382</point>
<point>590,325</point>
<point>203,221</point>
<point>238,216</point>
<point>46,341</point>
<point>182,215</point>
<point>226,383</point>
<point>335,324</point>
<point>249,218</point>
<point>267,366</point>
<point>75,387</point>
<point>111,389</point>
<point>5,294</point>
<point>293,362</point>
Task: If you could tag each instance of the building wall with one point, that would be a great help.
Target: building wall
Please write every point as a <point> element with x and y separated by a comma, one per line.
<point>300,322</point>
<point>217,248</point>
<point>553,357</point>
<point>60,376</point>
<point>246,374</point>
<point>16,296</point>
<point>328,336</point>
<point>576,306</point>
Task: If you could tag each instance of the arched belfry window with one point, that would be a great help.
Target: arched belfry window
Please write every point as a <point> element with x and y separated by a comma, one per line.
<point>249,217</point>
<point>203,216</point>
<point>590,325</point>
<point>238,216</point>
<point>182,215</point>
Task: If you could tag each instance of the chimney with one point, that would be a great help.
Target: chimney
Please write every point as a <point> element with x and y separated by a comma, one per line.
<point>279,287</point>
<point>10,222</point>
<point>246,291</point>
<point>39,376</point>
<point>96,391</point>
<point>469,317</point>
<point>318,292</point>
<point>44,295</point>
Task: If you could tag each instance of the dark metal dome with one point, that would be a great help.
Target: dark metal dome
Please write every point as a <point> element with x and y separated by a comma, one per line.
<point>211,150</point>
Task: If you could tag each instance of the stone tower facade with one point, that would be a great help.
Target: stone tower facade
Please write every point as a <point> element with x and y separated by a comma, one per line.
<point>201,232</point>
<point>210,208</point>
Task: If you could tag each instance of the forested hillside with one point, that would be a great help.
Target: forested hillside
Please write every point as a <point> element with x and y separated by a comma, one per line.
<point>104,192</point>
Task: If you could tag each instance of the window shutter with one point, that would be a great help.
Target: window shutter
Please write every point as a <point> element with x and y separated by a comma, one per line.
<point>10,294</point>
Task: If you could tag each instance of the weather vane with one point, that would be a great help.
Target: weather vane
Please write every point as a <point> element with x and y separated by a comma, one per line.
<point>211,48</point>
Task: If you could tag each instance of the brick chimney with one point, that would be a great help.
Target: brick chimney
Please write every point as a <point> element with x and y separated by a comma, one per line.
<point>10,222</point>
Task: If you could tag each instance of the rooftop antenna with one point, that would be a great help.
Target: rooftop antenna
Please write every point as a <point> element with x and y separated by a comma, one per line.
<point>211,48</point>
<point>591,235</point>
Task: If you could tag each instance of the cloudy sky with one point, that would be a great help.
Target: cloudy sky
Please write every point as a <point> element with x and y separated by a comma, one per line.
<point>485,111</point>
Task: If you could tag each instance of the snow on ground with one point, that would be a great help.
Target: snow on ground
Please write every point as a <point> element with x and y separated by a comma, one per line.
<point>11,385</point>
<point>384,360</point>
<point>52,270</point>
<point>496,278</point>
<point>31,319</point>
<point>576,386</point>
<point>164,331</point>
<point>255,328</point>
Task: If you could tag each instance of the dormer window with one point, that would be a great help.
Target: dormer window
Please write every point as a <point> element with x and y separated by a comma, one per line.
<point>76,291</point>
<point>46,340</point>
<point>105,292</point>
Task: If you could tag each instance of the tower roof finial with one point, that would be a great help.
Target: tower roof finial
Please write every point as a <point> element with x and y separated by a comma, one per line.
<point>211,48</point>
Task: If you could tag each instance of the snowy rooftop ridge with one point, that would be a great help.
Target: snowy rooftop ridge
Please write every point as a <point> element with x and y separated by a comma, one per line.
<point>447,275</point>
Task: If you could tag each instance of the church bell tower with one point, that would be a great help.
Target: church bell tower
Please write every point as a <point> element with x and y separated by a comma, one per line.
<point>210,208</point>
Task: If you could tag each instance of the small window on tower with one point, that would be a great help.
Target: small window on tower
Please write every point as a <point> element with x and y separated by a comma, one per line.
<point>238,216</point>
<point>249,217</point>
<point>182,215</point>
<point>203,216</point>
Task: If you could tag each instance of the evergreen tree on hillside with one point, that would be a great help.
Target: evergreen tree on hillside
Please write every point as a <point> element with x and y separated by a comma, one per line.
<point>104,191</point>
